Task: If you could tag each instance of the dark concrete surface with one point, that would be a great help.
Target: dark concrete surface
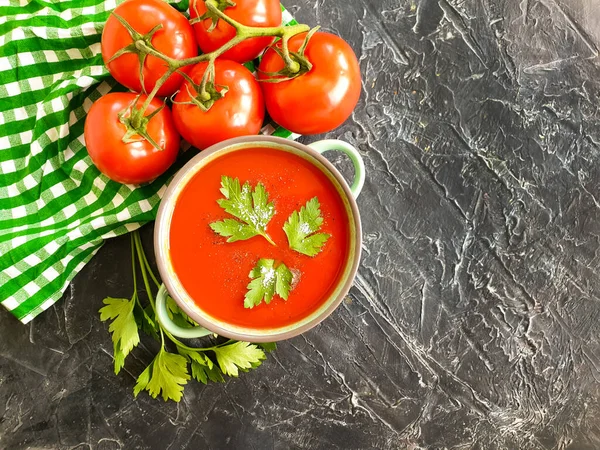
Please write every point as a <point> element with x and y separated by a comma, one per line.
<point>474,320</point>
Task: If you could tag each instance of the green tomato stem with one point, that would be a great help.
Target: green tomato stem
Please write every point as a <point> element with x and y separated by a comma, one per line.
<point>293,66</point>
<point>208,75</point>
<point>137,116</point>
<point>212,6</point>
<point>243,32</point>
<point>247,31</point>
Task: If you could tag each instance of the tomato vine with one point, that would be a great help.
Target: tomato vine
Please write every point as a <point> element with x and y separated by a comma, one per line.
<point>143,47</point>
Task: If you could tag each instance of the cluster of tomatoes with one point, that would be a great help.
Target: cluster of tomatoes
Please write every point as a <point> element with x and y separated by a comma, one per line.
<point>134,139</point>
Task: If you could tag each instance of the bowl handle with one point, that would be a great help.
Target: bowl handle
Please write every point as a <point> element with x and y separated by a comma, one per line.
<point>357,161</point>
<point>169,325</point>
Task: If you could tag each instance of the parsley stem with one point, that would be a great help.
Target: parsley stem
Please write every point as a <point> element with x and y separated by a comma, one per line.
<point>268,238</point>
<point>135,295</point>
<point>134,272</point>
<point>144,259</point>
<point>178,343</point>
<point>139,302</point>
<point>143,270</point>
<point>133,265</point>
<point>141,259</point>
<point>137,247</point>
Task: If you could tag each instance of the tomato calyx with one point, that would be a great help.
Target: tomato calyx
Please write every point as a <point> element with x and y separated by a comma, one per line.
<point>136,123</point>
<point>220,5</point>
<point>139,46</point>
<point>206,93</point>
<point>296,63</point>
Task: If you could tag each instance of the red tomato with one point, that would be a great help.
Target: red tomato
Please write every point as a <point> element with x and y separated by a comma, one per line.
<point>321,99</point>
<point>175,39</point>
<point>135,162</point>
<point>256,13</point>
<point>239,113</point>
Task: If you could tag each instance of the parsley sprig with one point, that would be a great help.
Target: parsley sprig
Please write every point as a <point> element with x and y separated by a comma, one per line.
<point>169,371</point>
<point>302,226</point>
<point>268,280</point>
<point>254,212</point>
<point>251,207</point>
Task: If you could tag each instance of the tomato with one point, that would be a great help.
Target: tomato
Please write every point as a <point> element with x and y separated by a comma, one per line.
<point>175,39</point>
<point>256,13</point>
<point>320,99</point>
<point>239,113</point>
<point>135,162</point>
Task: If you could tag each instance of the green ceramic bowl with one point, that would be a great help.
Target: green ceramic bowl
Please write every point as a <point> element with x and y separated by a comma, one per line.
<point>210,324</point>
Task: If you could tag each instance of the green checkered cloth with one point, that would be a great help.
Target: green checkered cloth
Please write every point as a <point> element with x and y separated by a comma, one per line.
<point>56,208</point>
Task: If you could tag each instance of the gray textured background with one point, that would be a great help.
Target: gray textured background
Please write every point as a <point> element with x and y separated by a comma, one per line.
<point>473,323</point>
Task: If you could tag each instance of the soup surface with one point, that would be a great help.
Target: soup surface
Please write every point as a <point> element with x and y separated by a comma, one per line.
<point>215,272</point>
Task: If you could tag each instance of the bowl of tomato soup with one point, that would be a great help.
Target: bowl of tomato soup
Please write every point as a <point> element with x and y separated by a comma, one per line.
<point>258,238</point>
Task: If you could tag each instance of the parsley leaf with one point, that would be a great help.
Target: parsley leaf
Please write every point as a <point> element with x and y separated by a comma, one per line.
<point>124,328</point>
<point>143,318</point>
<point>301,226</point>
<point>268,280</point>
<point>213,373</point>
<point>200,363</point>
<point>203,369</point>
<point>268,346</point>
<point>167,373</point>
<point>239,355</point>
<point>252,208</point>
<point>177,315</point>
<point>119,358</point>
<point>199,372</point>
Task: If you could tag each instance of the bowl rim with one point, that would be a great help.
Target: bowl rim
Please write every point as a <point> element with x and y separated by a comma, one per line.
<point>161,240</point>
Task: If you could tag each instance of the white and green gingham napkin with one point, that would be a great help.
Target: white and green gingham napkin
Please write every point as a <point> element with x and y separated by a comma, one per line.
<point>56,208</point>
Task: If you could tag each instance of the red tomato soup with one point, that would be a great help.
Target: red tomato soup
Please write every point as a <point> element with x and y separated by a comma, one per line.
<point>215,272</point>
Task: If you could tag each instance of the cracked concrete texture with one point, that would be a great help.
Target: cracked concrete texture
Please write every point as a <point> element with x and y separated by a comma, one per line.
<point>473,321</point>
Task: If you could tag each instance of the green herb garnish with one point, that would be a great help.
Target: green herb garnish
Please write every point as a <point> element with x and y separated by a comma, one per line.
<point>124,328</point>
<point>252,208</point>
<point>169,372</point>
<point>240,355</point>
<point>268,280</point>
<point>301,228</point>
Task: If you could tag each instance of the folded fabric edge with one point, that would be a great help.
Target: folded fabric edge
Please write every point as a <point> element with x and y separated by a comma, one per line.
<point>27,315</point>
